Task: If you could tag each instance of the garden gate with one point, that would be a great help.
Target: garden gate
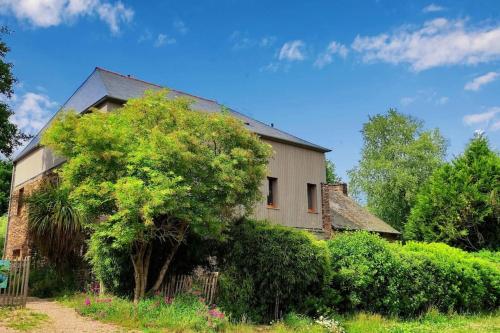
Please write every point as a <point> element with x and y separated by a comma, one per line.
<point>14,276</point>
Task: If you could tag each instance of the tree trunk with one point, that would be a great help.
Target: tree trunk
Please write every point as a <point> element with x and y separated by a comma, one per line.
<point>140,261</point>
<point>168,260</point>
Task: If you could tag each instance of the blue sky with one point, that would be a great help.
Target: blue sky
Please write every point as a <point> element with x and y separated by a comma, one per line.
<point>316,69</point>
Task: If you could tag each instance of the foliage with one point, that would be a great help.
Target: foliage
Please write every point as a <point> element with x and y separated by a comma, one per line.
<point>153,169</point>
<point>5,178</point>
<point>55,225</point>
<point>10,135</point>
<point>268,263</point>
<point>432,321</point>
<point>23,320</point>
<point>3,232</point>
<point>331,174</point>
<point>181,314</point>
<point>398,155</point>
<point>373,275</point>
<point>47,281</point>
<point>460,204</point>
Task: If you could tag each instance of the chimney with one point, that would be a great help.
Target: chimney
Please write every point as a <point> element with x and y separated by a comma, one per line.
<point>339,187</point>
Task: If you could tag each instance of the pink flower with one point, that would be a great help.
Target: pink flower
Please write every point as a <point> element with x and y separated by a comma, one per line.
<point>216,313</point>
<point>87,301</point>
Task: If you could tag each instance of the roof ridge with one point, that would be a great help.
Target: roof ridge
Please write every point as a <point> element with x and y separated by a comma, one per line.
<point>153,84</point>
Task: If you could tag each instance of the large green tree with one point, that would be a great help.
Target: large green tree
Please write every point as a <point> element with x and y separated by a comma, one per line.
<point>397,157</point>
<point>331,173</point>
<point>10,135</point>
<point>5,179</point>
<point>460,204</point>
<point>148,172</point>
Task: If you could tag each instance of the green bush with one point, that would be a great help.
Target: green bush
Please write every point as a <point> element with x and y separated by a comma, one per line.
<point>269,267</point>
<point>46,281</point>
<point>370,274</point>
<point>3,230</point>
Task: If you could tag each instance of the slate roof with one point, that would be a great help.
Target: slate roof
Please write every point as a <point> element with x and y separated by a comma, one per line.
<point>354,216</point>
<point>103,84</point>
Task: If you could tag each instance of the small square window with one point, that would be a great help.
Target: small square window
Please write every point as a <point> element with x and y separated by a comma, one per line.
<point>311,198</point>
<point>16,253</point>
<point>272,195</point>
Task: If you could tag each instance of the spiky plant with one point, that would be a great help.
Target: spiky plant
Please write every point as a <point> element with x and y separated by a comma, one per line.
<point>55,226</point>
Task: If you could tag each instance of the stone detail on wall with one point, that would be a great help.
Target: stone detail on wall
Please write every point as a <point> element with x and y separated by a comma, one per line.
<point>17,245</point>
<point>326,212</point>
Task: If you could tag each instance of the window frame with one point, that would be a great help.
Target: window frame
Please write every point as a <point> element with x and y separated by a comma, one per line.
<point>312,198</point>
<point>272,192</point>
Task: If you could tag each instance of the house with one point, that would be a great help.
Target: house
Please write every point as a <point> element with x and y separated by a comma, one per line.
<point>295,193</point>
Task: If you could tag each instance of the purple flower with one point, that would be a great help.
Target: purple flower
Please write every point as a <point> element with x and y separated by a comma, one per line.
<point>87,301</point>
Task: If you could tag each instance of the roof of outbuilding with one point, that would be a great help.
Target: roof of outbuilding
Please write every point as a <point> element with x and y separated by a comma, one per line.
<point>103,84</point>
<point>354,216</point>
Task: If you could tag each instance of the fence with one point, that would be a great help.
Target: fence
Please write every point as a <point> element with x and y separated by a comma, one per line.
<point>205,284</point>
<point>14,291</point>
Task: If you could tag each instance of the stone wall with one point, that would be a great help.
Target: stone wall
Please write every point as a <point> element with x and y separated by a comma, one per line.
<point>17,242</point>
<point>326,212</point>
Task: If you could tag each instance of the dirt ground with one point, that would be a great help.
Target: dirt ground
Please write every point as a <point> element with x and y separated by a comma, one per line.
<point>64,320</point>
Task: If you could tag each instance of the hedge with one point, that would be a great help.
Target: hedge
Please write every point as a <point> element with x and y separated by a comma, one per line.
<point>270,267</point>
<point>373,275</point>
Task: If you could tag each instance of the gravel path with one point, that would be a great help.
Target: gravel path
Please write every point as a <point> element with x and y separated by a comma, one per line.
<point>63,320</point>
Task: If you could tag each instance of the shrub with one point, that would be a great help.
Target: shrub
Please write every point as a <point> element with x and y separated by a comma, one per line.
<point>46,281</point>
<point>3,230</point>
<point>373,275</point>
<point>269,268</point>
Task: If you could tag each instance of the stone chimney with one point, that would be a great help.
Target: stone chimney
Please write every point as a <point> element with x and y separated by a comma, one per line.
<point>339,187</point>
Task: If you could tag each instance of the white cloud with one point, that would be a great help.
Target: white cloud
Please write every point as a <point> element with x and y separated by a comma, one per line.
<point>241,40</point>
<point>438,42</point>
<point>180,26</point>
<point>495,126</point>
<point>405,101</point>
<point>292,51</point>
<point>480,81</point>
<point>163,39</point>
<point>442,100</point>
<point>49,13</point>
<point>484,117</point>
<point>432,8</point>
<point>33,111</point>
<point>326,57</point>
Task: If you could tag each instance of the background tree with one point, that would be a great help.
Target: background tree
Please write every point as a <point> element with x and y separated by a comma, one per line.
<point>460,203</point>
<point>10,135</point>
<point>5,178</point>
<point>149,171</point>
<point>331,175</point>
<point>398,155</point>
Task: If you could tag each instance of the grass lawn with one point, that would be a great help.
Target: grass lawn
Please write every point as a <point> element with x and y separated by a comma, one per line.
<point>187,314</point>
<point>431,322</point>
<point>21,319</point>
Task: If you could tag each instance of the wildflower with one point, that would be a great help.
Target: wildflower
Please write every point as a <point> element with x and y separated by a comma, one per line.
<point>87,301</point>
<point>216,313</point>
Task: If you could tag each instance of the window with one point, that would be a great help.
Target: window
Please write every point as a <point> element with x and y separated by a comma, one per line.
<point>20,201</point>
<point>272,196</point>
<point>311,198</point>
<point>16,253</point>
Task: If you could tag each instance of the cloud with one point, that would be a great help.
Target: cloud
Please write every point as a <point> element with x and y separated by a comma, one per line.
<point>163,39</point>
<point>326,57</point>
<point>241,40</point>
<point>405,101</point>
<point>292,51</point>
<point>480,81</point>
<point>180,26</point>
<point>49,13</point>
<point>432,8</point>
<point>439,42</point>
<point>442,100</point>
<point>32,111</point>
<point>484,117</point>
